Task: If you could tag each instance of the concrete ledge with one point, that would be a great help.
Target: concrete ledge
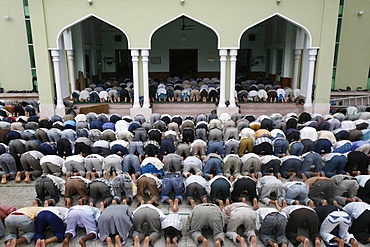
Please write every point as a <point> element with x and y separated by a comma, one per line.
<point>19,96</point>
<point>321,108</point>
<point>99,108</point>
<point>229,110</point>
<point>145,111</point>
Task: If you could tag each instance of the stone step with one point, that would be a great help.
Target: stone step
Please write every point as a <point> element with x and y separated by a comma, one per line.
<point>10,98</point>
<point>193,109</point>
<point>183,109</point>
<point>118,108</point>
<point>258,109</point>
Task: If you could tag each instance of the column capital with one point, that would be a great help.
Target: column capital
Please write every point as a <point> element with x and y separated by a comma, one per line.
<point>233,52</point>
<point>54,52</point>
<point>135,53</point>
<point>145,53</point>
<point>312,51</point>
<point>70,52</point>
<point>297,51</point>
<point>223,52</point>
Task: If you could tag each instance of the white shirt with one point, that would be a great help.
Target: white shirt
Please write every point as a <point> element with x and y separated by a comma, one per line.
<point>77,158</point>
<point>61,212</point>
<point>348,125</point>
<point>196,179</point>
<point>35,154</point>
<point>121,125</point>
<point>154,161</point>
<point>247,156</point>
<point>230,155</point>
<point>362,179</point>
<point>290,209</point>
<point>125,144</point>
<point>308,133</point>
<point>59,183</point>
<point>248,133</point>
<point>267,158</point>
<point>54,159</point>
<point>355,209</point>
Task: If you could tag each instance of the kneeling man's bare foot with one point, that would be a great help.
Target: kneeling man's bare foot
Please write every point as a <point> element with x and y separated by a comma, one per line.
<point>3,181</point>
<point>117,238</point>
<point>136,241</point>
<point>306,242</point>
<point>253,241</point>
<point>18,177</point>
<point>218,243</point>
<point>205,243</point>
<point>65,242</point>
<point>82,242</point>
<point>68,202</point>
<point>109,242</point>
<point>242,242</point>
<point>147,242</point>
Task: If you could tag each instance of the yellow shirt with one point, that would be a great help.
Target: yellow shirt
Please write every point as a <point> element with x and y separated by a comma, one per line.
<point>29,211</point>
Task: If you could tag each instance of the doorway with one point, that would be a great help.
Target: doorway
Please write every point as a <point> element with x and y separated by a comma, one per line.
<point>123,63</point>
<point>243,63</point>
<point>88,66</point>
<point>183,62</point>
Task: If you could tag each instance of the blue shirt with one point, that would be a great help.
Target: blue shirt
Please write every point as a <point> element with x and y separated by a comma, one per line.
<point>150,168</point>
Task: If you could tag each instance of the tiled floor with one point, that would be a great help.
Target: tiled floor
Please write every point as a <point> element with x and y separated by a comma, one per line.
<point>21,195</point>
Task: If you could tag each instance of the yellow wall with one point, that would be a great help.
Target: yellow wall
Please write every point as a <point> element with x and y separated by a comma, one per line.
<point>15,68</point>
<point>354,49</point>
<point>140,19</point>
<point>325,56</point>
<point>45,75</point>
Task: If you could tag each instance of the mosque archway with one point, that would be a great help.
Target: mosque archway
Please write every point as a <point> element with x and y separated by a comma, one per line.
<point>278,50</point>
<point>186,48</point>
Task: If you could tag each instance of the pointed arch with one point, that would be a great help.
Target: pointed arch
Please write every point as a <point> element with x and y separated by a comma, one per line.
<point>307,32</point>
<point>85,18</point>
<point>190,17</point>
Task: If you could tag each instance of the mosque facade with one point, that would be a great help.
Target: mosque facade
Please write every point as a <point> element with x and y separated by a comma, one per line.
<point>55,47</point>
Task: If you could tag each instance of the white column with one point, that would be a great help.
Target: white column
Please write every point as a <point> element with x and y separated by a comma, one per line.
<point>71,68</point>
<point>311,70</point>
<point>223,54</point>
<point>135,76</point>
<point>297,61</point>
<point>145,60</point>
<point>68,46</point>
<point>58,85</point>
<point>233,54</point>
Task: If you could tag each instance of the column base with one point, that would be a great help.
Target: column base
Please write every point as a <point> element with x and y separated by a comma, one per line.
<point>228,110</point>
<point>222,104</point>
<point>321,108</point>
<point>47,110</point>
<point>136,105</point>
<point>145,111</point>
<point>60,111</point>
<point>308,108</point>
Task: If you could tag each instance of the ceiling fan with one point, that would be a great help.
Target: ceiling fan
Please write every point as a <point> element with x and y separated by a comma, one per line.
<point>185,27</point>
